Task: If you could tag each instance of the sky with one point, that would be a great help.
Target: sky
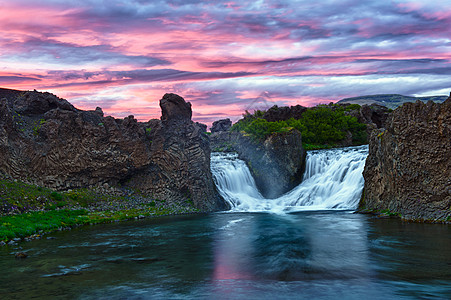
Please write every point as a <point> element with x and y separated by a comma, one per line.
<point>223,56</point>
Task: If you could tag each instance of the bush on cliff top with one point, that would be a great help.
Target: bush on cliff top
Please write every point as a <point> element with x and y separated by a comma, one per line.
<point>321,127</point>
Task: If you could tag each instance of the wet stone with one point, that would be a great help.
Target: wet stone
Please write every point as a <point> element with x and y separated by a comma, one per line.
<point>21,255</point>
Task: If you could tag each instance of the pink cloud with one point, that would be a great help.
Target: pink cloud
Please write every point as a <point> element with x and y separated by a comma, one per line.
<point>221,56</point>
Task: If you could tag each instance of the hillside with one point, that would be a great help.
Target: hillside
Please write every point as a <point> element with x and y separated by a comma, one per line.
<point>390,100</point>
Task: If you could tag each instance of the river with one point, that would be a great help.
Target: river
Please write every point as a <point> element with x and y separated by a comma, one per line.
<point>293,247</point>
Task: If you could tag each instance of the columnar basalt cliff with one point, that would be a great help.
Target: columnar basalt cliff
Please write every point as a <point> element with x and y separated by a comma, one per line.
<point>46,141</point>
<point>408,169</point>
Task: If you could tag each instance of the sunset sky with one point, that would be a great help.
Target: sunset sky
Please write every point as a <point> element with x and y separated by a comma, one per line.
<point>223,57</point>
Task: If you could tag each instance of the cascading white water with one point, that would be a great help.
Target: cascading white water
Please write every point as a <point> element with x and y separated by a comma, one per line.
<point>332,180</point>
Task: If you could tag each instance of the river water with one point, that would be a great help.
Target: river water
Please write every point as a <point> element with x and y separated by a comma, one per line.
<point>281,249</point>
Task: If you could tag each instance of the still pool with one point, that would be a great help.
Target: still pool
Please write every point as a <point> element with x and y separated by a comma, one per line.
<point>304,255</point>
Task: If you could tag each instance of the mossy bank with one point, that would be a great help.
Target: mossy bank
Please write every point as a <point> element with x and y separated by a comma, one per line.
<point>27,211</point>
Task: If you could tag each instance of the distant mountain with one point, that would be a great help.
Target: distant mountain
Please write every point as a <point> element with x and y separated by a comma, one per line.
<point>390,100</point>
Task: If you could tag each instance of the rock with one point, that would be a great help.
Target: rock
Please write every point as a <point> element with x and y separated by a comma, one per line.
<point>221,125</point>
<point>35,103</point>
<point>99,111</point>
<point>203,127</point>
<point>373,114</point>
<point>221,141</point>
<point>2,243</point>
<point>284,113</point>
<point>21,255</point>
<point>407,171</point>
<point>12,243</point>
<point>277,164</point>
<point>174,107</point>
<point>54,145</point>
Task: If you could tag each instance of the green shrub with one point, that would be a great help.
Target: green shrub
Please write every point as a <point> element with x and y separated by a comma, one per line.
<point>320,126</point>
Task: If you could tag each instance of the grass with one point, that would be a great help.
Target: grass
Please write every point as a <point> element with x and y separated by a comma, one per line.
<point>23,225</point>
<point>16,196</point>
<point>27,209</point>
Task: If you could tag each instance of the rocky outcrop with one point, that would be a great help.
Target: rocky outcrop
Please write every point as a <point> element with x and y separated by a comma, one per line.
<point>284,113</point>
<point>46,141</point>
<point>373,115</point>
<point>408,169</point>
<point>221,125</point>
<point>277,164</point>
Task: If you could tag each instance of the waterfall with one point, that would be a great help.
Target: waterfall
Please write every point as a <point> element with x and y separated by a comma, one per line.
<point>332,180</point>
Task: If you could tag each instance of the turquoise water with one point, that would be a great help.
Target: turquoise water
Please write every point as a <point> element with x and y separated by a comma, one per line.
<point>304,255</point>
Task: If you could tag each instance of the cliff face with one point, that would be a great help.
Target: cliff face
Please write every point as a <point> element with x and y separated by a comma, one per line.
<point>46,141</point>
<point>277,164</point>
<point>408,169</point>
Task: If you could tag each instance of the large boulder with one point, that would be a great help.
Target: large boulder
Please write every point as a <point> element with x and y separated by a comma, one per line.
<point>408,169</point>
<point>46,141</point>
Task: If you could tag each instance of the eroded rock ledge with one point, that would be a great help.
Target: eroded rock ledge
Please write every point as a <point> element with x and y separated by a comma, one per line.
<point>46,141</point>
<point>408,169</point>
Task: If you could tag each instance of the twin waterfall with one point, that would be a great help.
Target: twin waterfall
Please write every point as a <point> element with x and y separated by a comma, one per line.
<point>332,180</point>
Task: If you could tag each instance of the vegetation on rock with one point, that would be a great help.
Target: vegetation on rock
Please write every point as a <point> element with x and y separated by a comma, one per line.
<point>29,209</point>
<point>323,126</point>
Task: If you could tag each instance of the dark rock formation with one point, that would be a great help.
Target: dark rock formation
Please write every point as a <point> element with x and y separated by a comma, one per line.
<point>174,107</point>
<point>408,169</point>
<point>46,141</point>
<point>203,127</point>
<point>277,164</point>
<point>284,113</point>
<point>221,125</point>
<point>373,115</point>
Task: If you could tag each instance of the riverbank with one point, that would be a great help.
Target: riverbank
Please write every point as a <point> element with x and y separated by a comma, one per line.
<point>29,211</point>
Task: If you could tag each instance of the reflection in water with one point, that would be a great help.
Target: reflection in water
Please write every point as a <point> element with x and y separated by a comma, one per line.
<point>233,249</point>
<point>290,247</point>
<point>325,255</point>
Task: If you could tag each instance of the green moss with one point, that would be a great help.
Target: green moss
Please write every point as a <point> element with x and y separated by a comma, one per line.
<point>37,126</point>
<point>19,203</point>
<point>27,224</point>
<point>31,223</point>
<point>381,135</point>
<point>390,213</point>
